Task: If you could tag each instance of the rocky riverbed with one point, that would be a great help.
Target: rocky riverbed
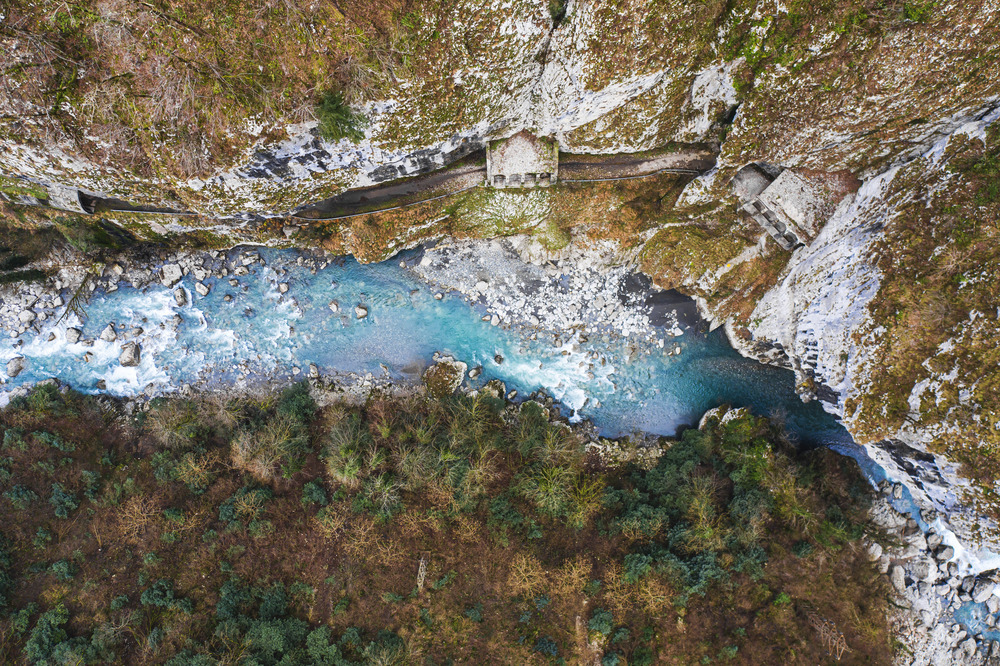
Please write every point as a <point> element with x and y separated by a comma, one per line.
<point>939,589</point>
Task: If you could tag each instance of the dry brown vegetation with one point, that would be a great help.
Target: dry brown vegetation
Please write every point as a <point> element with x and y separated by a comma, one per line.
<point>160,86</point>
<point>514,563</point>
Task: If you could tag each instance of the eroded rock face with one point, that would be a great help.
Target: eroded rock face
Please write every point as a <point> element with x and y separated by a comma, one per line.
<point>444,377</point>
<point>900,383</point>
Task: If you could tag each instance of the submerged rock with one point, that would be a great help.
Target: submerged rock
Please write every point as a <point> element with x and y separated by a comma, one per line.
<point>130,355</point>
<point>15,366</point>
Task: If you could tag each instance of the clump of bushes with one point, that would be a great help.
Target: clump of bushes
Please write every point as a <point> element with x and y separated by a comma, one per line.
<point>337,120</point>
<point>161,594</point>
<point>63,502</point>
<point>20,497</point>
<point>6,579</point>
<point>699,516</point>
<point>275,438</point>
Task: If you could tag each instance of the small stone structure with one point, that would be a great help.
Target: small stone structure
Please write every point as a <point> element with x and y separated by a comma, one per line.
<point>523,160</point>
<point>788,206</point>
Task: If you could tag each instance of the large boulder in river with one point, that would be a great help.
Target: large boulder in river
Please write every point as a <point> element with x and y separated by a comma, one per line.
<point>15,366</point>
<point>73,335</point>
<point>108,334</point>
<point>131,355</point>
<point>171,274</point>
<point>444,377</point>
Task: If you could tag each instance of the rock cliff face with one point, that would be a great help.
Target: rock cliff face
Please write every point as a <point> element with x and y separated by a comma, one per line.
<point>90,102</point>
<point>883,313</point>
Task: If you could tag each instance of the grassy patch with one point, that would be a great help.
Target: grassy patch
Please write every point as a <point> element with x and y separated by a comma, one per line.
<point>337,120</point>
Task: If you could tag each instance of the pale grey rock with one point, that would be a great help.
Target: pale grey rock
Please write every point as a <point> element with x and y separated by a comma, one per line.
<point>897,578</point>
<point>73,335</point>
<point>313,371</point>
<point>108,334</point>
<point>15,366</point>
<point>921,570</point>
<point>171,274</point>
<point>983,591</point>
<point>944,554</point>
<point>917,540</point>
<point>26,316</point>
<point>130,355</point>
<point>874,551</point>
<point>334,306</point>
<point>180,297</point>
<point>360,311</point>
<point>202,289</point>
<point>283,288</point>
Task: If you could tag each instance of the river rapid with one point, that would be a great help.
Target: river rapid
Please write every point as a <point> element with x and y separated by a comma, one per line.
<point>277,315</point>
